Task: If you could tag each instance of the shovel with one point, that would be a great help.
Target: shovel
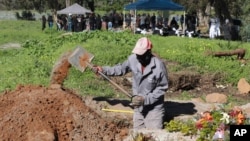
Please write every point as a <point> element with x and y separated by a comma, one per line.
<point>81,59</point>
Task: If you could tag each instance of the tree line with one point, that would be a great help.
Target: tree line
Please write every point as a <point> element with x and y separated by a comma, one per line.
<point>223,9</point>
<point>54,5</point>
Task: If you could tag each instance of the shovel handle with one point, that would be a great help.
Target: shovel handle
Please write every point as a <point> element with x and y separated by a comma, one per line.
<point>111,81</point>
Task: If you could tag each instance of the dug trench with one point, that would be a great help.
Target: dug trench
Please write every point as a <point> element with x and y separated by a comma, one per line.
<point>55,113</point>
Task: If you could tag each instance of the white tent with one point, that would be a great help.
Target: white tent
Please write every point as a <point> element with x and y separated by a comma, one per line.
<point>74,9</point>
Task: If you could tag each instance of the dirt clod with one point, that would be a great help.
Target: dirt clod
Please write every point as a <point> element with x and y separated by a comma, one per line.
<point>60,69</point>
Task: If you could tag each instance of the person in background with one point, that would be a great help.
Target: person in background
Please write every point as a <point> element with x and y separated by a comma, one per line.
<point>153,22</point>
<point>92,21</point>
<point>143,21</point>
<point>98,22</point>
<point>50,21</point>
<point>227,30</point>
<point>147,22</point>
<point>149,84</point>
<point>212,28</point>
<point>174,24</point>
<point>69,22</point>
<point>43,22</point>
<point>217,27</point>
<point>182,21</point>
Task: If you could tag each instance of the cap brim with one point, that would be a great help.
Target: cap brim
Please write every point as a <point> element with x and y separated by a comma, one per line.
<point>139,51</point>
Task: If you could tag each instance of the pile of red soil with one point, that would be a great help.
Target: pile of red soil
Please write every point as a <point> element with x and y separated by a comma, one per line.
<point>52,114</point>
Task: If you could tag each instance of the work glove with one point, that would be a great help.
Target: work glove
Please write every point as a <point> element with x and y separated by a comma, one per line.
<point>137,101</point>
<point>97,69</point>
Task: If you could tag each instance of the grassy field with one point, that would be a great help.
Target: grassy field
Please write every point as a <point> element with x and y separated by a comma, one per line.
<point>32,64</point>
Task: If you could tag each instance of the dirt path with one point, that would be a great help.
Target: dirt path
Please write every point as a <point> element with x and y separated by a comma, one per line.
<point>10,46</point>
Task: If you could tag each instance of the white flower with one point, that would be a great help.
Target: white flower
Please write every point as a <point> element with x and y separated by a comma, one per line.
<point>225,117</point>
<point>218,135</point>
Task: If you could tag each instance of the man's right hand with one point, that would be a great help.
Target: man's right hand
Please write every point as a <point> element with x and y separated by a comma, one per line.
<point>97,69</point>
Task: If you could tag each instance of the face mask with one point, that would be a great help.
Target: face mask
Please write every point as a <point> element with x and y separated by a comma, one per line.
<point>145,58</point>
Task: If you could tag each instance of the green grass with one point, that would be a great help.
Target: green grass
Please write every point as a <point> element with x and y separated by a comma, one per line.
<point>17,32</point>
<point>33,63</point>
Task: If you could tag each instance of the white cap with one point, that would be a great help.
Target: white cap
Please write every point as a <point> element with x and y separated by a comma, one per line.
<point>142,45</point>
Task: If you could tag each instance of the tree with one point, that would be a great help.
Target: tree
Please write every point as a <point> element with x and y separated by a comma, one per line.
<point>245,29</point>
<point>91,5</point>
<point>67,2</point>
<point>9,4</point>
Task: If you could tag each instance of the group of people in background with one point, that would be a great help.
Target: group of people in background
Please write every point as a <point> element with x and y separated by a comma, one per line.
<point>229,29</point>
<point>159,24</point>
<point>155,23</point>
<point>49,20</point>
<point>92,21</point>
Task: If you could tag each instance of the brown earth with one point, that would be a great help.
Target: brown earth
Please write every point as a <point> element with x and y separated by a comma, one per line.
<point>31,113</point>
<point>55,113</point>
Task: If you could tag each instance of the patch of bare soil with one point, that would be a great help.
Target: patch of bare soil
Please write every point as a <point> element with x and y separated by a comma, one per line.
<point>52,114</point>
<point>191,82</point>
<point>55,114</point>
<point>10,46</point>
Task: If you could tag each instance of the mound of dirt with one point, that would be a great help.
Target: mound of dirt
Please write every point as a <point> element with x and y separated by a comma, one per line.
<point>51,114</point>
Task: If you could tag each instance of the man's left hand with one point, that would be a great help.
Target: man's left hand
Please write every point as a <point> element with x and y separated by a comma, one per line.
<point>137,101</point>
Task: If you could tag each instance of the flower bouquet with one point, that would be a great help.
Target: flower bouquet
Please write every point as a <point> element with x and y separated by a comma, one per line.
<point>215,124</point>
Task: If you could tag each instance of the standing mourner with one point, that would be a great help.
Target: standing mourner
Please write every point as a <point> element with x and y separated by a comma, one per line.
<point>74,23</point>
<point>212,28</point>
<point>43,22</point>
<point>92,21</point>
<point>50,21</point>
<point>217,27</point>
<point>153,21</point>
<point>227,30</point>
<point>150,82</point>
<point>182,22</point>
<point>147,22</point>
<point>98,22</point>
<point>143,21</point>
<point>69,22</point>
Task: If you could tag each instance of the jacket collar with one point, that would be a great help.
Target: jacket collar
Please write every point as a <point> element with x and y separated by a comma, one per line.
<point>148,68</point>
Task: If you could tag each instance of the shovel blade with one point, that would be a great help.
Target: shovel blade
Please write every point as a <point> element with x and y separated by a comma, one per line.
<point>80,58</point>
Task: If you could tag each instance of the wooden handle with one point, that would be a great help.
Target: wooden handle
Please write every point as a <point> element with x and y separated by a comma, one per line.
<point>112,82</point>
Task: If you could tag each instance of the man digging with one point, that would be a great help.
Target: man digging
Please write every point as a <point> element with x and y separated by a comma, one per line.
<point>149,84</point>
